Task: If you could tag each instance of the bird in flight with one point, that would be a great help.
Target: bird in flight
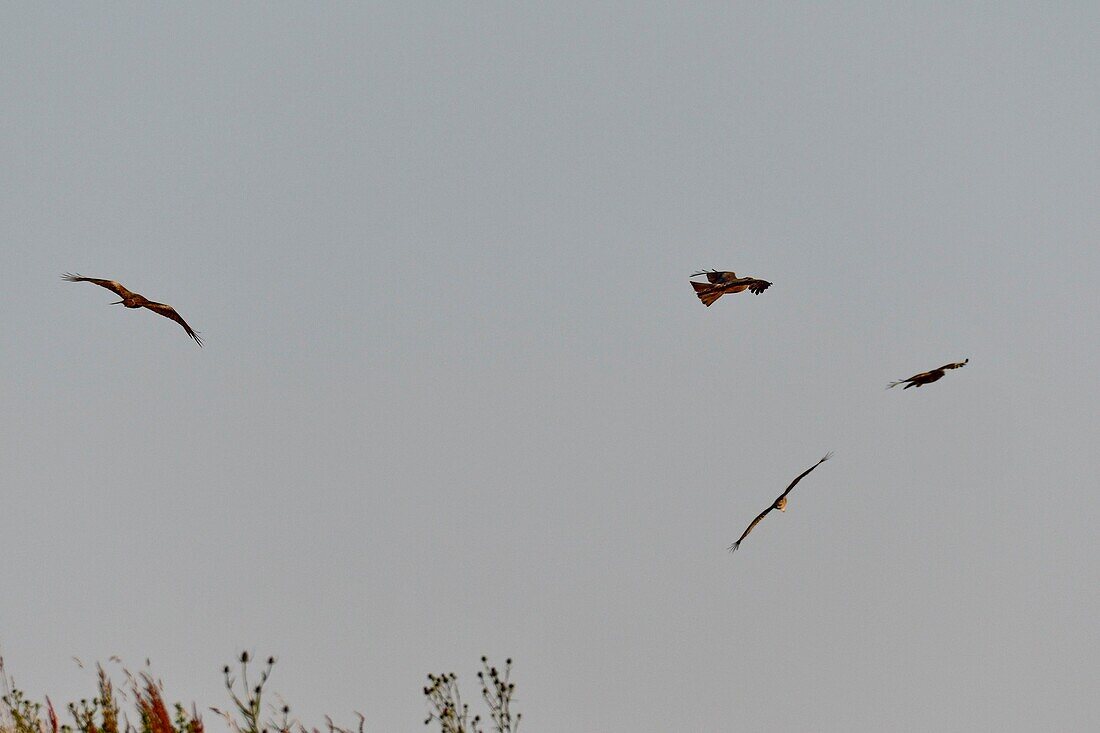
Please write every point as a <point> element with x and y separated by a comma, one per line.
<point>780,503</point>
<point>927,377</point>
<point>720,283</point>
<point>133,300</point>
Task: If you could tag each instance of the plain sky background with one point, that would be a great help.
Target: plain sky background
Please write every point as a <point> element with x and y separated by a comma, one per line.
<point>458,397</point>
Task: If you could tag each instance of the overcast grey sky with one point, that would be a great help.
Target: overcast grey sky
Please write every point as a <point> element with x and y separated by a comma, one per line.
<point>458,397</point>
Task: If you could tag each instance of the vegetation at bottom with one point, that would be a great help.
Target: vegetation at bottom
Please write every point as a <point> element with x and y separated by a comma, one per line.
<point>138,705</point>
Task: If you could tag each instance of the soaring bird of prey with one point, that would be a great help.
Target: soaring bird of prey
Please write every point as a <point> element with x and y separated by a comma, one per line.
<point>780,503</point>
<point>133,300</point>
<point>927,377</point>
<point>720,283</point>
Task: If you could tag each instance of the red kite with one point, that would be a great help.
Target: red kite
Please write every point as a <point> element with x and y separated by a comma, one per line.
<point>133,300</point>
<point>780,503</point>
<point>927,377</point>
<point>720,283</point>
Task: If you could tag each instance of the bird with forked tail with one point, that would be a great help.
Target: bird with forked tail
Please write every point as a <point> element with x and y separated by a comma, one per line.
<point>928,377</point>
<point>133,300</point>
<point>719,283</point>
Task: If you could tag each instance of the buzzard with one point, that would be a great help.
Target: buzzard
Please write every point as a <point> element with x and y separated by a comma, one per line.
<point>720,283</point>
<point>133,300</point>
<point>780,503</point>
<point>927,377</point>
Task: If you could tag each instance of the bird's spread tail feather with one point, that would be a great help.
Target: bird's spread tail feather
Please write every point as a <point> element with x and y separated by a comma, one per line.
<point>706,292</point>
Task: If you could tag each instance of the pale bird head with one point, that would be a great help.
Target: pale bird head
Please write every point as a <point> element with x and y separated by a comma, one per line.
<point>781,504</point>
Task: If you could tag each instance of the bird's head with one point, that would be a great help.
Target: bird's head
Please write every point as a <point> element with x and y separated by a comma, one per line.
<point>781,503</point>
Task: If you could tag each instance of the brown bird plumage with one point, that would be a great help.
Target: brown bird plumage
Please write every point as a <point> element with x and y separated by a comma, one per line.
<point>927,377</point>
<point>133,300</point>
<point>719,283</point>
<point>780,503</point>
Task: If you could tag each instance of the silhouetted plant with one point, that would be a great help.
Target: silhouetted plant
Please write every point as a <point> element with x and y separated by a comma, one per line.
<point>333,728</point>
<point>103,706</point>
<point>103,714</point>
<point>20,714</point>
<point>249,702</point>
<point>17,713</point>
<point>496,690</point>
<point>107,705</point>
<point>445,704</point>
<point>153,712</point>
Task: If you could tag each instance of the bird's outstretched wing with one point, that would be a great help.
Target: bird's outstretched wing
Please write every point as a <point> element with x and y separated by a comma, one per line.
<point>803,474</point>
<point>716,277</point>
<point>169,312</point>
<point>758,286</point>
<point>956,365</point>
<point>735,545</point>
<point>111,285</point>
